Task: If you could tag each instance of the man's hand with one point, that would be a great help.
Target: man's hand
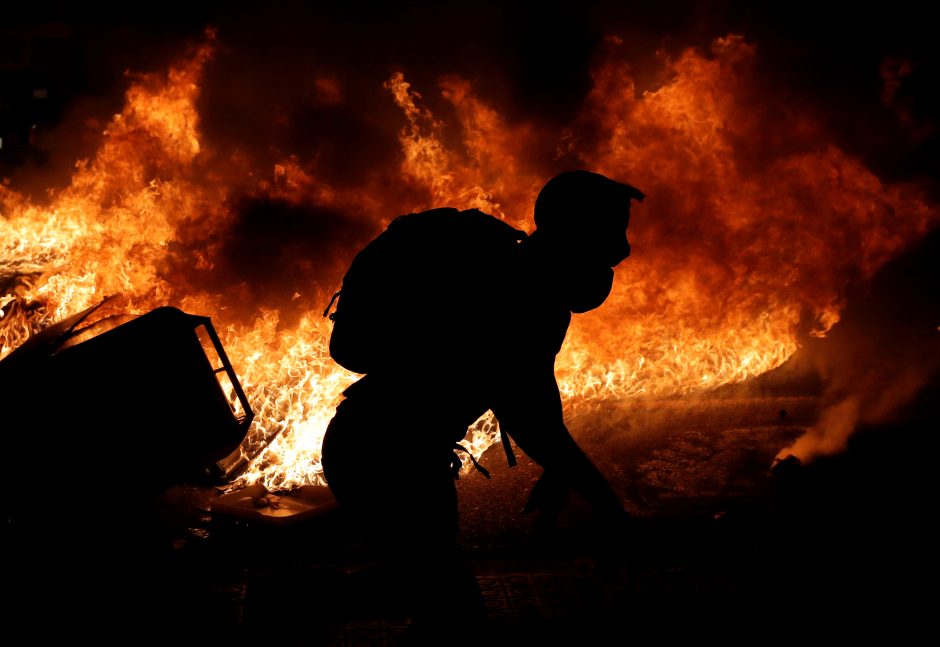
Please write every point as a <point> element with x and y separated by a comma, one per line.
<point>548,497</point>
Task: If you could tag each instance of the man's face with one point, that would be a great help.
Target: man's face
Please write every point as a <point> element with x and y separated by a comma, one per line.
<point>590,257</point>
<point>612,240</point>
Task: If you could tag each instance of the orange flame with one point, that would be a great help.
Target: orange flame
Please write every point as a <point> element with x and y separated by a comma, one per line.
<point>754,219</point>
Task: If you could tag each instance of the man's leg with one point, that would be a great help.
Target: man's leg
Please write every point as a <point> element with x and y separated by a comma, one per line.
<point>406,503</point>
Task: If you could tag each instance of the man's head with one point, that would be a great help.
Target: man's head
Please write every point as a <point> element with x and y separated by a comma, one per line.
<point>581,221</point>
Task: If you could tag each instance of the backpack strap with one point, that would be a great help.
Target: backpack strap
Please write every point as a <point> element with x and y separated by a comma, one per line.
<point>327,313</point>
<point>507,447</point>
<point>456,464</point>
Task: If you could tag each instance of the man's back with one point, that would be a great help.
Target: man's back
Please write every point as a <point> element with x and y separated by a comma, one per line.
<point>444,345</point>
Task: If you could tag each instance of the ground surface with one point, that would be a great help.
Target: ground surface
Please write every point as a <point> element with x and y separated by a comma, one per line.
<point>712,529</point>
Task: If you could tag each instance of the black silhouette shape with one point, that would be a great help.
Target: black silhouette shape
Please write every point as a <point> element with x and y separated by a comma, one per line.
<point>450,314</point>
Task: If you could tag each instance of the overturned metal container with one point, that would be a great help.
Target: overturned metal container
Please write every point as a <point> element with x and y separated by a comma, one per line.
<point>135,402</point>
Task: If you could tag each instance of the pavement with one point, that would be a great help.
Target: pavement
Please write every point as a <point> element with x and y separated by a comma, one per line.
<point>712,530</point>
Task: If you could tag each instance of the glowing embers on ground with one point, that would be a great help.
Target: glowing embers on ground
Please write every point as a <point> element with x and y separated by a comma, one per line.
<point>754,224</point>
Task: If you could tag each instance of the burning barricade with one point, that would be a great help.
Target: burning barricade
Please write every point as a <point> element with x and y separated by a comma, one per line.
<point>143,401</point>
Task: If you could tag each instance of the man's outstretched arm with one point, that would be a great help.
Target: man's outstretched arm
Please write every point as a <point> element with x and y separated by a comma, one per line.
<point>529,410</point>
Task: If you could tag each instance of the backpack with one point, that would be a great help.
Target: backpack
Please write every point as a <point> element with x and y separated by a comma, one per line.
<point>423,278</point>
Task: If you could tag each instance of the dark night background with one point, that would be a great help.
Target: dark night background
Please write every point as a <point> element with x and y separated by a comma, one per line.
<point>532,60</point>
<point>785,550</point>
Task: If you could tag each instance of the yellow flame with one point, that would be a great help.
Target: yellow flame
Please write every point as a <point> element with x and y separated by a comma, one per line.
<point>735,244</point>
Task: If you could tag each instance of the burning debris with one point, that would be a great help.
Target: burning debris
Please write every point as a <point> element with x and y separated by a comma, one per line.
<point>147,400</point>
<point>756,223</point>
<point>255,504</point>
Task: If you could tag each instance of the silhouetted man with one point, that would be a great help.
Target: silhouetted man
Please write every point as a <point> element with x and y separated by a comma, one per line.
<point>388,454</point>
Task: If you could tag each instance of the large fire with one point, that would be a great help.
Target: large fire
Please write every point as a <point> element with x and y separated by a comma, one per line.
<point>754,224</point>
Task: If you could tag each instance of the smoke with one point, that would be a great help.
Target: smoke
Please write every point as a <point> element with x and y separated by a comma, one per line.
<point>883,356</point>
<point>279,255</point>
